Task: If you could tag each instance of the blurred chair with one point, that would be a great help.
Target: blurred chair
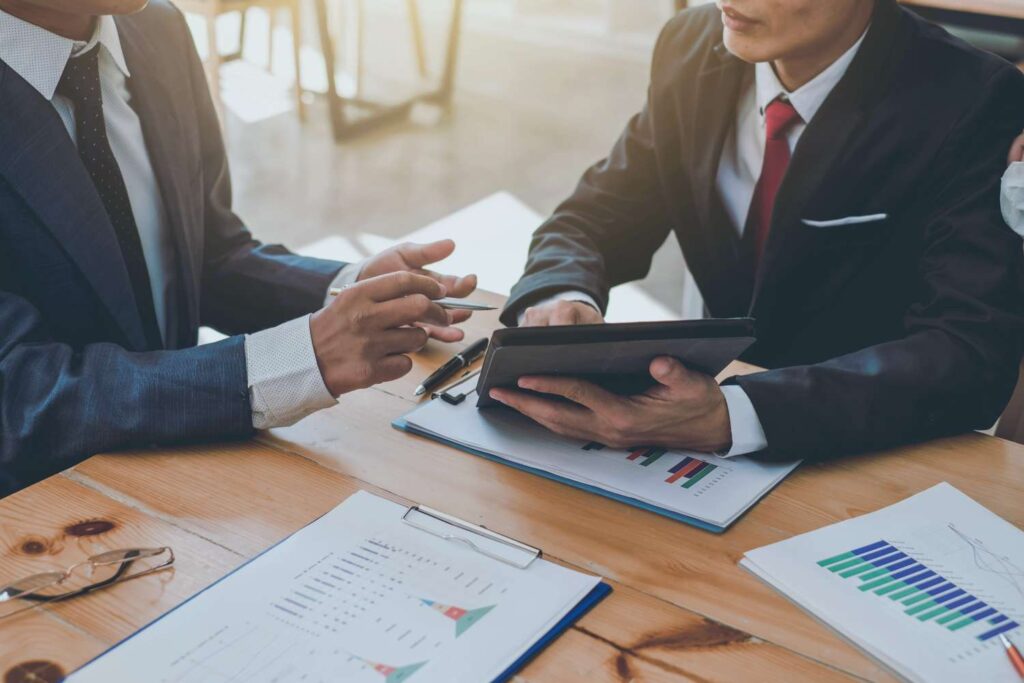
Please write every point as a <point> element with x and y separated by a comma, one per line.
<point>372,114</point>
<point>210,10</point>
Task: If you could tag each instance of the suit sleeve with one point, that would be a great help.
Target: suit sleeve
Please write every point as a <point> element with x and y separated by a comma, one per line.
<point>246,285</point>
<point>957,363</point>
<point>608,230</point>
<point>59,405</point>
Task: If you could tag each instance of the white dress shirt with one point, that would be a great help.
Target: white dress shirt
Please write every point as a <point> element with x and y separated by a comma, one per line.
<point>738,171</point>
<point>283,377</point>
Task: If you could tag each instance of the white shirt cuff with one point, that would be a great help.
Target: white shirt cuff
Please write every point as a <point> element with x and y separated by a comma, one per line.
<point>285,384</point>
<point>571,295</point>
<point>747,432</point>
<point>348,275</point>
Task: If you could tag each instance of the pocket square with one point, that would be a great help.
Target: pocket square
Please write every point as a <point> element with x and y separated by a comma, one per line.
<point>849,220</point>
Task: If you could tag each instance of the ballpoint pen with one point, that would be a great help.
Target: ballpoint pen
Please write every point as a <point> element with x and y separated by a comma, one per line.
<point>449,304</point>
<point>1014,654</point>
<point>458,361</point>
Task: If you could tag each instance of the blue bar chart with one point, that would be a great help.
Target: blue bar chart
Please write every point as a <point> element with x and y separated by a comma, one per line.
<point>885,571</point>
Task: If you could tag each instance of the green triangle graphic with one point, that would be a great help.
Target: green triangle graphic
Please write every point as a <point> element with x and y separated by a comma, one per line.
<point>470,618</point>
<point>403,673</point>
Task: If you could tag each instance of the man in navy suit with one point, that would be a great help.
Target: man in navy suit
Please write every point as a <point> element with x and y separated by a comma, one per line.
<point>117,241</point>
<point>832,170</point>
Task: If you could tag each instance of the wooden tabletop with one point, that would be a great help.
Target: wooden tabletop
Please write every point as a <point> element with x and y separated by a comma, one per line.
<point>681,610</point>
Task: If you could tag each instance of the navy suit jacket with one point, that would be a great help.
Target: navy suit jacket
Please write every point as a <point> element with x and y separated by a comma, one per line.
<point>75,375</point>
<point>874,334</point>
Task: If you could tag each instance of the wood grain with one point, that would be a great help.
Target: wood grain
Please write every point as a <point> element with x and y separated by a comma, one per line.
<point>681,610</point>
<point>245,497</point>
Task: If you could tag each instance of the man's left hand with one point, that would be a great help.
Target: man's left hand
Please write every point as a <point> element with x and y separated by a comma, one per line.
<point>685,410</point>
<point>414,258</point>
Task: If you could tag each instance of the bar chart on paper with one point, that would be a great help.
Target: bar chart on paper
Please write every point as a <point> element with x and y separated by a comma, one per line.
<point>883,570</point>
<point>927,585</point>
<point>687,473</point>
<point>701,489</point>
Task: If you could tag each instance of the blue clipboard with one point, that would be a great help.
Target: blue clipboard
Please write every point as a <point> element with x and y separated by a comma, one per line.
<point>599,593</point>
<point>402,425</point>
<point>595,596</point>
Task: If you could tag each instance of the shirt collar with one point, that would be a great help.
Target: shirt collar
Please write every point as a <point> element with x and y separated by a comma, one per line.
<point>808,98</point>
<point>39,56</point>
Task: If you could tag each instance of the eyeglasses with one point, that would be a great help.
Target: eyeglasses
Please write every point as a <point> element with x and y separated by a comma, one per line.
<point>102,570</point>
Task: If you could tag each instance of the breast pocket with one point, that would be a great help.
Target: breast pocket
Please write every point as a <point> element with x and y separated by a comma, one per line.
<point>847,231</point>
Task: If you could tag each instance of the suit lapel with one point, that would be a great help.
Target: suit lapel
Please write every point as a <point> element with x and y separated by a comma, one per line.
<point>40,162</point>
<point>720,269</point>
<point>822,144</point>
<point>161,123</point>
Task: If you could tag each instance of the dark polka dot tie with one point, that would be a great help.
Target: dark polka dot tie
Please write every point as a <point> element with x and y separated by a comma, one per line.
<point>80,83</point>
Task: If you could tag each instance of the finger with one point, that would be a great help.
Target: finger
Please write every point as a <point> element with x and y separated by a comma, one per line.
<point>402,340</point>
<point>1017,150</point>
<point>557,416</point>
<point>409,310</point>
<point>672,375</point>
<point>396,285</point>
<point>535,317</point>
<point>419,255</point>
<point>565,315</point>
<point>444,334</point>
<point>457,316</point>
<point>391,368</point>
<point>576,390</point>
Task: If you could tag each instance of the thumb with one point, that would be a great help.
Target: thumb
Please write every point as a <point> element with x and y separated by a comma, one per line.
<point>669,372</point>
<point>419,255</point>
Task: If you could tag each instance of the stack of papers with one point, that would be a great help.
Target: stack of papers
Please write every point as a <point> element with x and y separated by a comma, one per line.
<point>704,490</point>
<point>357,596</point>
<point>926,586</point>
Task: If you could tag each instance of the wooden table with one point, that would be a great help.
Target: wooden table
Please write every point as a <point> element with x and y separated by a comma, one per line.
<point>681,609</point>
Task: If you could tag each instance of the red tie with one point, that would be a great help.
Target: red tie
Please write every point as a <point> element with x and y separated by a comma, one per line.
<point>780,116</point>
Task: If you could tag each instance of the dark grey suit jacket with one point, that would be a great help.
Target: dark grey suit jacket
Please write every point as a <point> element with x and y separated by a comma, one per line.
<point>876,334</point>
<point>75,374</point>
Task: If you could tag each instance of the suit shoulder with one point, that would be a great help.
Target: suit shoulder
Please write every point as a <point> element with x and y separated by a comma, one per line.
<point>695,27</point>
<point>688,38</point>
<point>964,68</point>
<point>159,10</point>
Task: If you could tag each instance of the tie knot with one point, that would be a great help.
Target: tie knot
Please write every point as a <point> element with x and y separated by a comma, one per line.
<point>779,117</point>
<point>80,81</point>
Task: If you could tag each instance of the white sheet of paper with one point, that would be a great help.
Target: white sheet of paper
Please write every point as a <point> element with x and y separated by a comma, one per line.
<point>356,596</point>
<point>716,492</point>
<point>925,585</point>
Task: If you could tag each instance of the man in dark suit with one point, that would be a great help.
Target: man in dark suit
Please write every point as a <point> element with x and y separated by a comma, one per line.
<point>117,241</point>
<point>832,170</point>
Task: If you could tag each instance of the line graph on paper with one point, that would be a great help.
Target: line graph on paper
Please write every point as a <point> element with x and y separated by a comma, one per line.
<point>989,561</point>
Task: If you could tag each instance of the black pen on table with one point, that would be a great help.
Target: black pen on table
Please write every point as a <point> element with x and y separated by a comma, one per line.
<point>458,361</point>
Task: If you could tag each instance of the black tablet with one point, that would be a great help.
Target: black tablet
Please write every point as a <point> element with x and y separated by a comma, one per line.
<point>616,356</point>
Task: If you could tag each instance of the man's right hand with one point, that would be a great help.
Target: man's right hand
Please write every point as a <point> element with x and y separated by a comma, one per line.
<point>362,337</point>
<point>561,313</point>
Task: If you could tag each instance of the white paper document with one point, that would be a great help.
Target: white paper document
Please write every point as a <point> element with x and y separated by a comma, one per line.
<point>357,596</point>
<point>926,586</point>
<point>709,489</point>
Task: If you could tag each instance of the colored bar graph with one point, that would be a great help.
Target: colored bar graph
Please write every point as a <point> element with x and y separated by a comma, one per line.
<point>922,593</point>
<point>652,455</point>
<point>685,468</point>
<point>636,453</point>
<point>704,471</point>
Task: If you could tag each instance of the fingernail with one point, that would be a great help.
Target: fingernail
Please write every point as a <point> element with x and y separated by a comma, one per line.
<point>525,384</point>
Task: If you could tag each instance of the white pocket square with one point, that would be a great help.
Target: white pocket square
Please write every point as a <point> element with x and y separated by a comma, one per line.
<point>849,220</point>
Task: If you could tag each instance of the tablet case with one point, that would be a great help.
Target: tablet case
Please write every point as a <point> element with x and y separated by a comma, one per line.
<point>616,356</point>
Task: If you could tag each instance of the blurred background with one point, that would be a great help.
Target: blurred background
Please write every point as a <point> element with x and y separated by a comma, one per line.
<point>440,105</point>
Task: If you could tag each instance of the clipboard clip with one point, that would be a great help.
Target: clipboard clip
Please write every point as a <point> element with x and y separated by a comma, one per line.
<point>456,392</point>
<point>477,538</point>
